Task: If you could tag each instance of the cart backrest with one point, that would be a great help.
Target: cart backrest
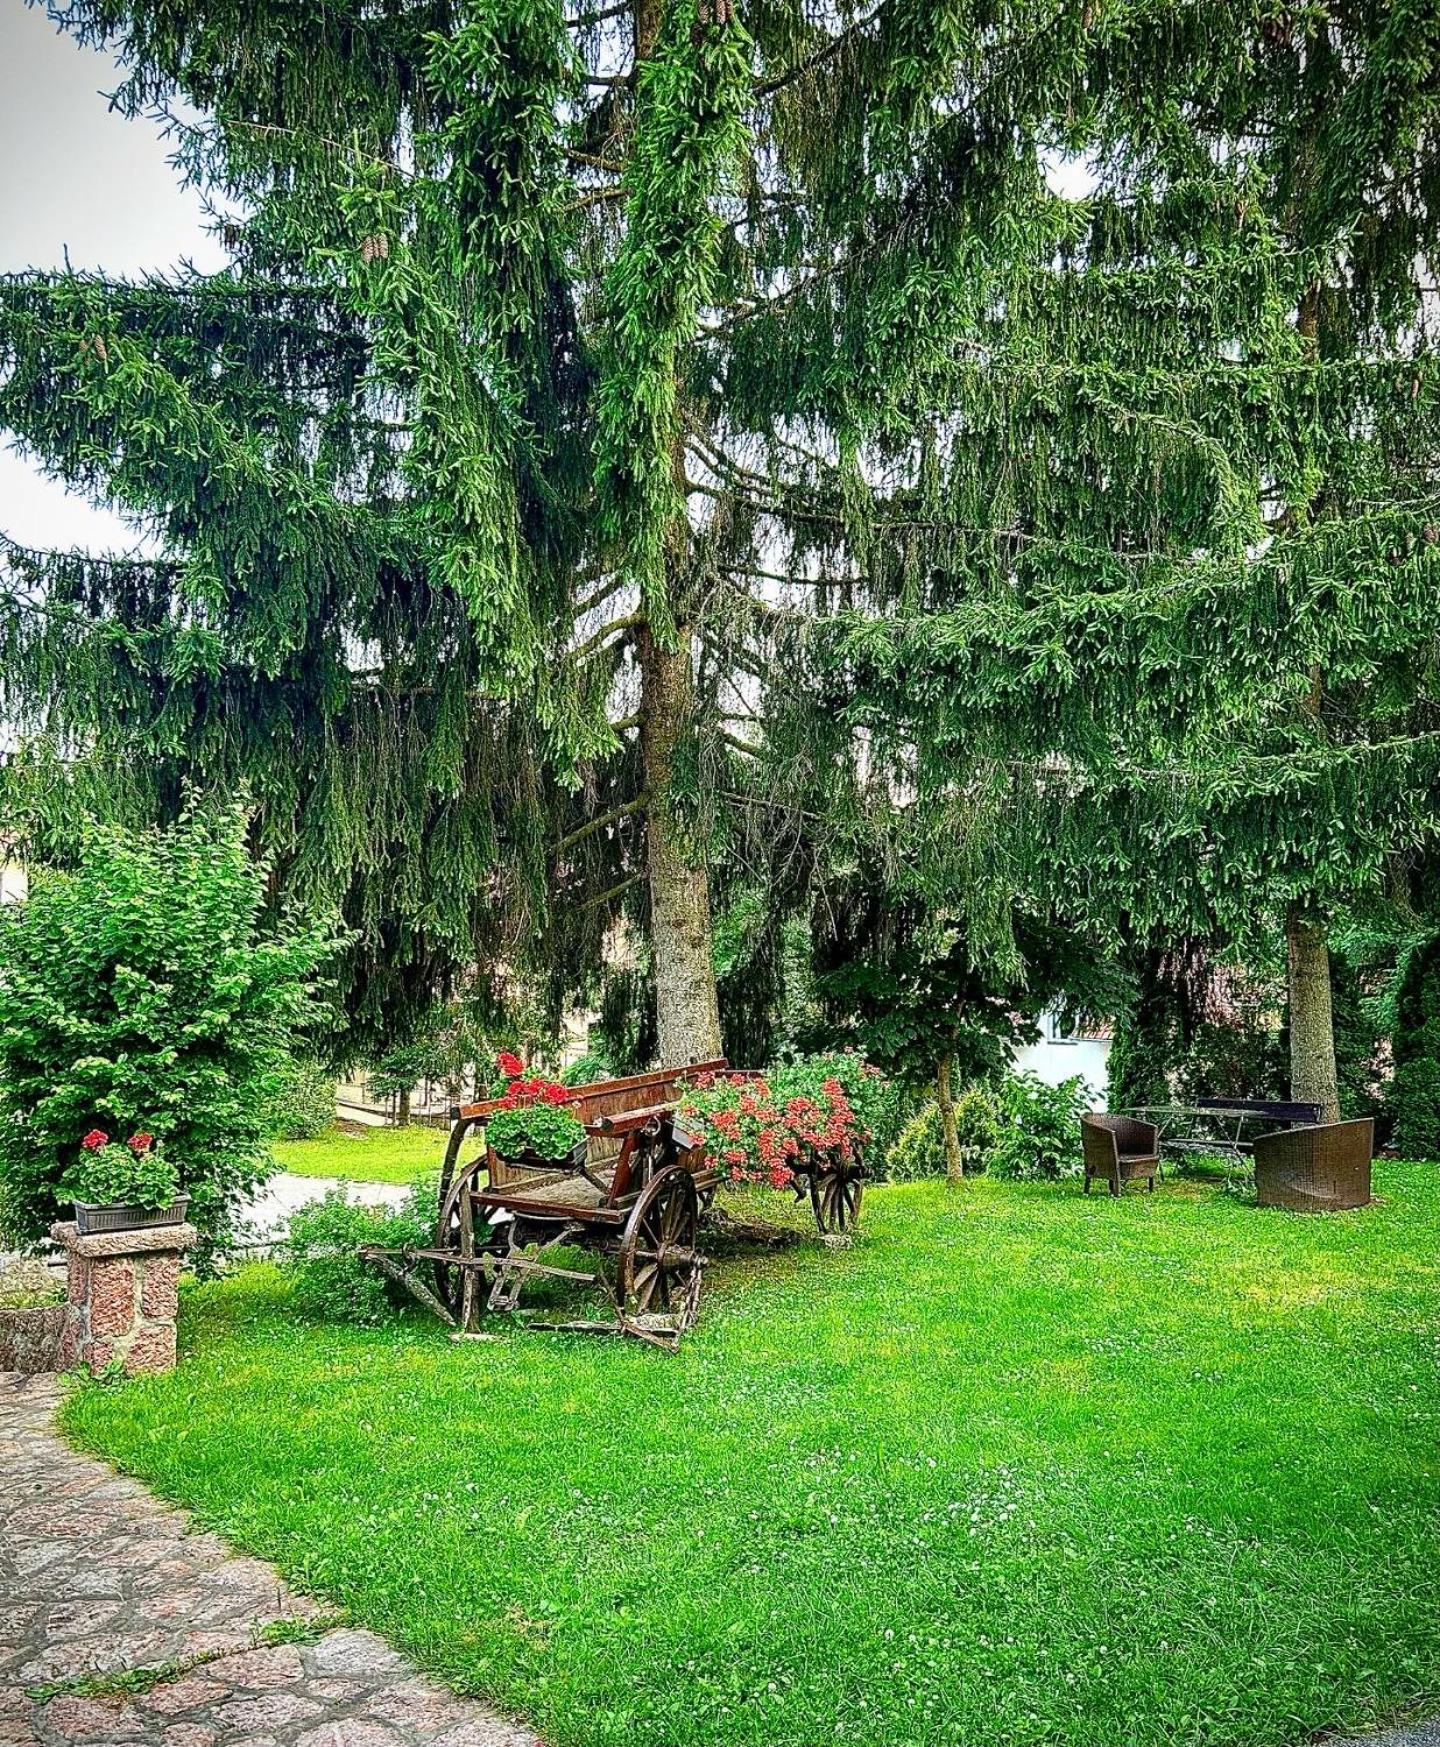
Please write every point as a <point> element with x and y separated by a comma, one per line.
<point>593,1104</point>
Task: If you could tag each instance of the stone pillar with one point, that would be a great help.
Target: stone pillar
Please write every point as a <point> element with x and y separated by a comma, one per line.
<point>123,1288</point>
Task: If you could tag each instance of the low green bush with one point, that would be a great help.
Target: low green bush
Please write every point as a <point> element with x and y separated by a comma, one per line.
<point>1038,1127</point>
<point>586,1069</point>
<point>919,1150</point>
<point>304,1103</point>
<point>328,1279</point>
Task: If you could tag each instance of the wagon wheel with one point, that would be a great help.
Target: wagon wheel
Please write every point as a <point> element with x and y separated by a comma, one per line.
<point>454,1231</point>
<point>836,1191</point>
<point>659,1266</point>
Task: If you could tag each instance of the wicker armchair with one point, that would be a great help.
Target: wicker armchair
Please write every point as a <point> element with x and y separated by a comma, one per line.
<point>1119,1149</point>
<point>1324,1169</point>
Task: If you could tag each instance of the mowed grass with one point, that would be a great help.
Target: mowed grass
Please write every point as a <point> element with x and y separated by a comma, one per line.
<point>1020,1467</point>
<point>378,1155</point>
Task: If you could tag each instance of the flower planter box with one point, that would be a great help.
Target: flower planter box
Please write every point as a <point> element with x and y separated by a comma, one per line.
<point>92,1218</point>
<point>529,1160</point>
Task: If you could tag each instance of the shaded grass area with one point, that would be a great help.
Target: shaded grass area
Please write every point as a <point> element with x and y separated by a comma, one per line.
<point>377,1155</point>
<point>1018,1468</point>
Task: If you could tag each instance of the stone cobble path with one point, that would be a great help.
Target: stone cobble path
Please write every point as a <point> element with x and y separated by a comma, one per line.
<point>99,1579</point>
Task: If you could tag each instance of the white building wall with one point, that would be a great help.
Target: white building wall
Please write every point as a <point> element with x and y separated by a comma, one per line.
<point>1057,1056</point>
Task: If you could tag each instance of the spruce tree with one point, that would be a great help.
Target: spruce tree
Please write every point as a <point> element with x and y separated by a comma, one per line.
<point>474,479</point>
<point>1173,467</point>
<point>632,440</point>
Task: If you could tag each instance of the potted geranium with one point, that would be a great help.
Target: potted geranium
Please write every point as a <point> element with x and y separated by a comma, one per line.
<point>123,1186</point>
<point>535,1127</point>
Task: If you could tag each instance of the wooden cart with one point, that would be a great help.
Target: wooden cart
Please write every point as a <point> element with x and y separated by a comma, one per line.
<point>633,1196</point>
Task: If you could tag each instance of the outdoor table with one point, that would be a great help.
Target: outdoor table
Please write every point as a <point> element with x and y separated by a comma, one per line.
<point>1231,1124</point>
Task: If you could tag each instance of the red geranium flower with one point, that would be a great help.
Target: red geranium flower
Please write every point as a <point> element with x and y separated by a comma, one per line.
<point>510,1065</point>
<point>96,1138</point>
<point>140,1143</point>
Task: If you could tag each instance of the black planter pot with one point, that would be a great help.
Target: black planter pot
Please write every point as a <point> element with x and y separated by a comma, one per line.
<point>92,1218</point>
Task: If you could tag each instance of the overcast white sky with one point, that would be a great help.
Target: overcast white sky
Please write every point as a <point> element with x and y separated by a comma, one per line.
<point>75,175</point>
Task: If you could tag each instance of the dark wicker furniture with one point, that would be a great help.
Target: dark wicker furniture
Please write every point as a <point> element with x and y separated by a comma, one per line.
<point>1323,1169</point>
<point>1282,1110</point>
<point>1119,1149</point>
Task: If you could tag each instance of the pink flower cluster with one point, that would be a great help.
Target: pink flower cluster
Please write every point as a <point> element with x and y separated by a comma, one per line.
<point>762,1141</point>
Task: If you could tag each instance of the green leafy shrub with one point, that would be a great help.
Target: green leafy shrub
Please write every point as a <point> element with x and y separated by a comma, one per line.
<point>1238,1058</point>
<point>1414,1097</point>
<point>144,991</point>
<point>548,1130</point>
<point>919,1150</point>
<point>1038,1127</point>
<point>585,1069</point>
<point>304,1104</point>
<point>107,1172</point>
<point>328,1279</point>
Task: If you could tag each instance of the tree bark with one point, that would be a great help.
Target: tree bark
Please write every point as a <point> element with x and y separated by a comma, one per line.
<point>402,1110</point>
<point>687,1009</point>
<point>954,1161</point>
<point>1312,1029</point>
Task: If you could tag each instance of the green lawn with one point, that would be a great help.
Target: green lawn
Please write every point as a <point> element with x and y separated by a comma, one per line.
<point>1018,1468</point>
<point>379,1155</point>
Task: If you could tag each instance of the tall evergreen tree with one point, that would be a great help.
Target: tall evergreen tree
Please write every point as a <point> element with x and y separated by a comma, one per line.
<point>1176,468</point>
<point>630,436</point>
<point>475,477</point>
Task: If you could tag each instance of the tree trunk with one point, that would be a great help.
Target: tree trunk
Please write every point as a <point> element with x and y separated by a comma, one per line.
<point>687,1010</point>
<point>1312,1029</point>
<point>402,1110</point>
<point>954,1162</point>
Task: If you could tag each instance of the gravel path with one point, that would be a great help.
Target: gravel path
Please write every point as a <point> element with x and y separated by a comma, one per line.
<point>99,1579</point>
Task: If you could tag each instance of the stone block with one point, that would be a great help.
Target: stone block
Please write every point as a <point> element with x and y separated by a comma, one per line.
<point>350,1732</point>
<point>186,1694</point>
<point>152,1349</point>
<point>30,1339</point>
<point>159,1287</point>
<point>189,1735</point>
<point>275,1710</point>
<point>122,1288</point>
<point>112,1296</point>
<point>74,1718</point>
<point>278,1666</point>
<point>351,1650</point>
